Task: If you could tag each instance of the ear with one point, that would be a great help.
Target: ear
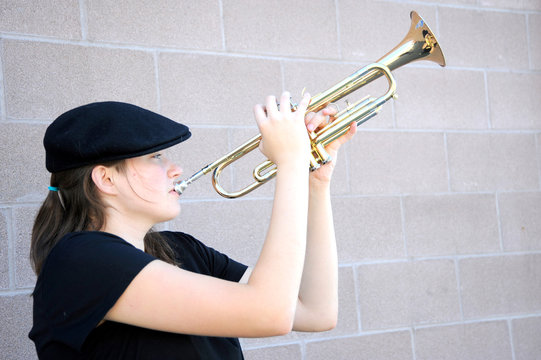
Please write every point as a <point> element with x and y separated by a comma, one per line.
<point>104,180</point>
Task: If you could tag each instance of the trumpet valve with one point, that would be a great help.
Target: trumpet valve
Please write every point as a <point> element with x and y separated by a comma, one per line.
<point>314,164</point>
<point>293,105</point>
<point>322,154</point>
<point>319,157</point>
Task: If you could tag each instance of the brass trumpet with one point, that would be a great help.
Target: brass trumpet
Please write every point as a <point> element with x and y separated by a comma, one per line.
<point>418,44</point>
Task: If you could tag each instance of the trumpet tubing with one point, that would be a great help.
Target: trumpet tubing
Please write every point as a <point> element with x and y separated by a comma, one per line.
<point>418,44</point>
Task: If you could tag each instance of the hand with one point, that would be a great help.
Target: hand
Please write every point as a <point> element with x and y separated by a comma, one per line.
<point>316,121</point>
<point>284,136</point>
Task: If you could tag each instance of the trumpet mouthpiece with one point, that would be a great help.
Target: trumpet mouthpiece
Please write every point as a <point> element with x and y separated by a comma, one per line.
<point>181,186</point>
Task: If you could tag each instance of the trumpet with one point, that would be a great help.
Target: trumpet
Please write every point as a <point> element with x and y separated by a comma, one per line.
<point>418,44</point>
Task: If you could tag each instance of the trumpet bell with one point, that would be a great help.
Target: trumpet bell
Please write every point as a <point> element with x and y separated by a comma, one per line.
<point>418,44</point>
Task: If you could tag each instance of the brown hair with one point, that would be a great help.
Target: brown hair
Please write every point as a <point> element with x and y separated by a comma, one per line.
<point>81,209</point>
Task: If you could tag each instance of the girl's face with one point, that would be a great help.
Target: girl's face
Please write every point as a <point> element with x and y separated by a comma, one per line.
<point>148,187</point>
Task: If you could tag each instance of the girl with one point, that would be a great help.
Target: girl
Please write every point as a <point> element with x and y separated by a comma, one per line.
<point>109,287</point>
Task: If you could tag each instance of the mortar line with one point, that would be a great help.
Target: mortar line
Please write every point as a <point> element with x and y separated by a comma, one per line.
<point>357,293</point>
<point>3,110</point>
<point>511,341</point>
<point>499,221</point>
<point>84,19</point>
<point>11,250</point>
<point>238,54</point>
<point>222,24</point>
<point>338,35</point>
<point>459,289</point>
<point>156,59</point>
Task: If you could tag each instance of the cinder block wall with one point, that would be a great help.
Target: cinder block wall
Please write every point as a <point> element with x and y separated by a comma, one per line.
<point>437,200</point>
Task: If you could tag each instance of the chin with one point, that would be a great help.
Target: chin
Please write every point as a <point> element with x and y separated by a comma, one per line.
<point>166,214</point>
<point>174,213</point>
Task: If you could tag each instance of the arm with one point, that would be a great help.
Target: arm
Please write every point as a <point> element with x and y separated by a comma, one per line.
<point>167,298</point>
<point>318,296</point>
<point>317,306</point>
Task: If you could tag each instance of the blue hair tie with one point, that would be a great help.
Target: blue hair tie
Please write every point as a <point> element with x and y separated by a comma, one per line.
<point>53,188</point>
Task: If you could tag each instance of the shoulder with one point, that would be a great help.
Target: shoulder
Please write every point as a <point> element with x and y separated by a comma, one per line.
<point>195,256</point>
<point>88,251</point>
<point>75,247</point>
<point>176,236</point>
<point>183,242</point>
<point>87,239</point>
<point>74,240</point>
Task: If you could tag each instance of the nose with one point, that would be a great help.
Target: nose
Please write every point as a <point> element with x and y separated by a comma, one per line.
<point>174,170</point>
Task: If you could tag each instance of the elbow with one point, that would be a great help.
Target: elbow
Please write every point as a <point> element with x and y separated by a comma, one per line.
<point>282,323</point>
<point>331,320</point>
<point>330,323</point>
<point>330,317</point>
<point>318,321</point>
<point>276,321</point>
<point>283,328</point>
<point>325,323</point>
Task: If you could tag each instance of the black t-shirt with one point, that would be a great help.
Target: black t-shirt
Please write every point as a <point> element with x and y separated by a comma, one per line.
<point>82,278</point>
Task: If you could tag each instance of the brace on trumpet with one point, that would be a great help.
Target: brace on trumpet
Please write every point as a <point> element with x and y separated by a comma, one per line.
<point>418,44</point>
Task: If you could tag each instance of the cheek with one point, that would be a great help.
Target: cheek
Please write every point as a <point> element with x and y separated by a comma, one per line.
<point>148,183</point>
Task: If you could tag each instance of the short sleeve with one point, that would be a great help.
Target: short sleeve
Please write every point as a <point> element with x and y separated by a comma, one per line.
<point>82,278</point>
<point>222,266</point>
<point>194,255</point>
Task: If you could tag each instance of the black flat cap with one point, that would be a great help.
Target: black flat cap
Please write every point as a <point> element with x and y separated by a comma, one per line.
<point>107,131</point>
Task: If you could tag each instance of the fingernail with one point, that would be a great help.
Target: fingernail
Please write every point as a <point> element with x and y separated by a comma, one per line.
<point>310,127</point>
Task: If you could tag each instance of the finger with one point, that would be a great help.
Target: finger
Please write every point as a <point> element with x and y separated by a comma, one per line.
<point>323,117</point>
<point>330,110</point>
<point>260,115</point>
<point>271,105</point>
<point>309,117</point>
<point>259,111</point>
<point>303,104</point>
<point>316,120</point>
<point>349,135</point>
<point>352,131</point>
<point>285,102</point>
<point>335,145</point>
<point>308,120</point>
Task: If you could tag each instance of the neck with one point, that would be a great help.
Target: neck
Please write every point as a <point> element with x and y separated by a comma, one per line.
<point>130,230</point>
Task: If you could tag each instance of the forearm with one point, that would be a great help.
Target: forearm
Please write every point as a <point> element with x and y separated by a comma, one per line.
<point>278,270</point>
<point>318,294</point>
